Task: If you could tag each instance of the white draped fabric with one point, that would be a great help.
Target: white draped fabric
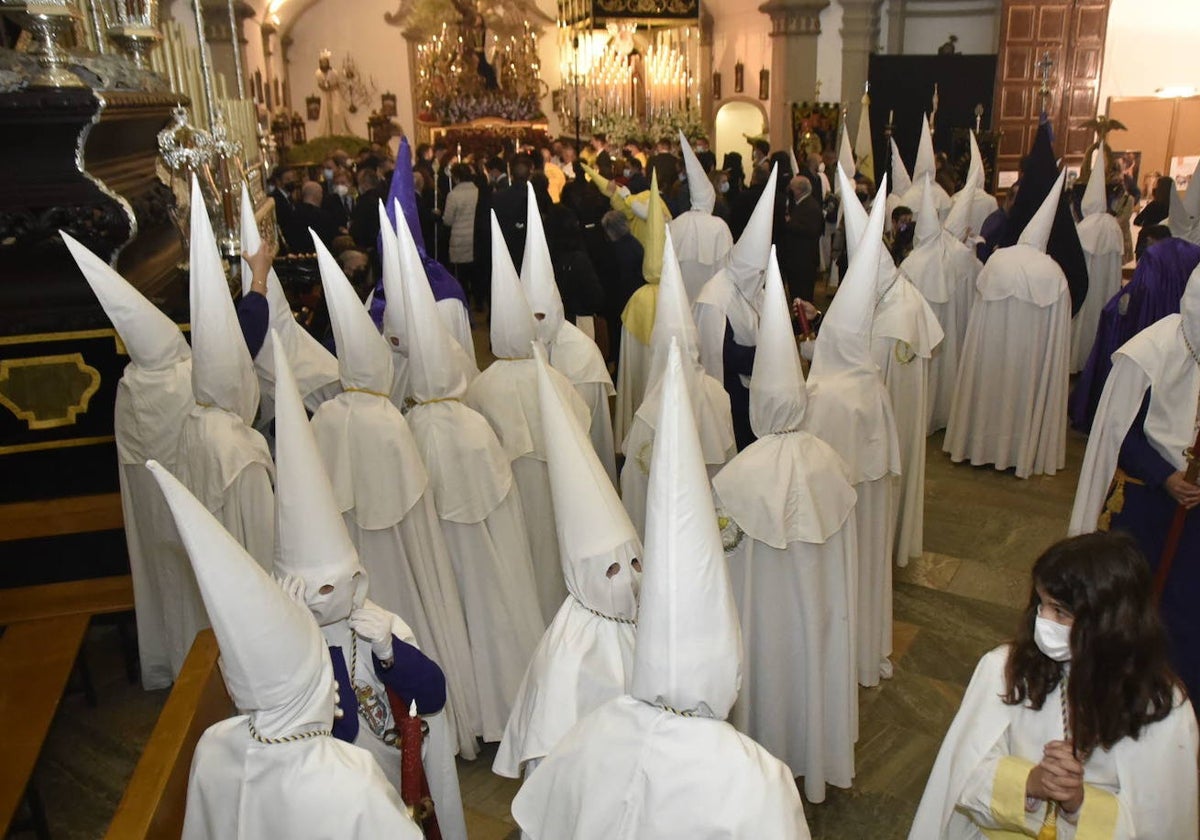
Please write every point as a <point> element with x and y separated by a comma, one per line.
<point>1103,248</point>
<point>633,377</point>
<point>1010,399</point>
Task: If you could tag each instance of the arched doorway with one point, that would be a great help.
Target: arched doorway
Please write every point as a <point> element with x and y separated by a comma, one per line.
<point>736,120</point>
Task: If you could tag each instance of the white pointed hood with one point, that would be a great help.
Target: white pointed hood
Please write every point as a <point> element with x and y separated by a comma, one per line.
<point>1095,197</point>
<point>958,221</point>
<point>844,342</point>
<point>222,371</point>
<point>437,364</point>
<point>1037,232</point>
<point>273,658</point>
<point>364,360</point>
<point>928,226</point>
<point>846,154</point>
<point>748,257</point>
<point>315,368</point>
<point>673,320</point>
<point>901,181</point>
<point>537,273</point>
<point>153,340</point>
<point>311,541</point>
<point>975,173</point>
<point>926,162</point>
<point>512,327</point>
<point>856,219</point>
<point>777,393</point>
<point>700,189</point>
<point>1189,308</point>
<point>593,528</point>
<point>689,643</point>
<point>395,320</point>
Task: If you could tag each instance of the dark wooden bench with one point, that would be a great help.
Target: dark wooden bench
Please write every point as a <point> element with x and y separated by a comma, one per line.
<point>45,628</point>
<point>155,799</point>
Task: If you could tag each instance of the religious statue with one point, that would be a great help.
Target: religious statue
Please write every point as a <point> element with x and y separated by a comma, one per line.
<point>1102,126</point>
<point>329,82</point>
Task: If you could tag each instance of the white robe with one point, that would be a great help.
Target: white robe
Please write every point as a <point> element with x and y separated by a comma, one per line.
<point>458,322</point>
<point>721,301</point>
<point>905,335</point>
<point>1151,780</point>
<point>1104,249</point>
<point>506,395</point>
<point>576,356</point>
<point>150,407</point>
<point>944,272</point>
<point>479,508</point>
<point>227,466</point>
<point>314,789</point>
<point>1010,399</point>
<point>632,771</point>
<point>583,661</point>
<point>715,425</point>
<point>437,753</point>
<point>396,532</point>
<point>846,411</point>
<point>633,377</point>
<point>792,549</point>
<point>702,242</point>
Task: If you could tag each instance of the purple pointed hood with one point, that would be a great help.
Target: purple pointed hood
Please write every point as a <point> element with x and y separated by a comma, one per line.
<point>442,282</point>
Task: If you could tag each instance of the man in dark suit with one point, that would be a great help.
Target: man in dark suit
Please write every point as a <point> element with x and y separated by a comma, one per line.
<point>308,215</point>
<point>364,218</point>
<point>339,202</point>
<point>798,245</point>
<point>510,207</point>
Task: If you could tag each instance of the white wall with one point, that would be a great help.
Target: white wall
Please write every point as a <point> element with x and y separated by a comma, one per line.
<point>1150,44</point>
<point>740,31</point>
<point>977,35</point>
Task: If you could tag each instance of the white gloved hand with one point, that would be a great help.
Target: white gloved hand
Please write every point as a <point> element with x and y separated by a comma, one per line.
<point>624,192</point>
<point>293,587</point>
<point>641,209</point>
<point>374,625</point>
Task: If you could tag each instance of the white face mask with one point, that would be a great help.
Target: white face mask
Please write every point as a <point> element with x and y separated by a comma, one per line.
<point>328,174</point>
<point>724,186</point>
<point>341,189</point>
<point>1052,639</point>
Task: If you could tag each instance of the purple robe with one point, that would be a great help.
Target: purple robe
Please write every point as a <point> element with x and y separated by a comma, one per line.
<point>413,676</point>
<point>443,283</point>
<point>1153,293</point>
<point>1146,515</point>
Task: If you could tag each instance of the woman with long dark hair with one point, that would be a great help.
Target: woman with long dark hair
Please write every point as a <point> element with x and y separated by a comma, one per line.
<point>1077,728</point>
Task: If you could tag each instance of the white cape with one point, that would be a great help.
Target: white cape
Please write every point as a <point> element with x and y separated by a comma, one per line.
<point>1155,774</point>
<point>633,377</point>
<point>718,302</point>
<point>1010,399</point>
<point>632,771</point>
<point>583,661</point>
<point>576,356</point>
<point>228,467</point>
<point>315,789</point>
<point>1156,358</point>
<point>702,242</point>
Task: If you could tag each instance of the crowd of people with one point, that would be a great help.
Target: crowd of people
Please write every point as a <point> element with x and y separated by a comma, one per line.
<point>661,594</point>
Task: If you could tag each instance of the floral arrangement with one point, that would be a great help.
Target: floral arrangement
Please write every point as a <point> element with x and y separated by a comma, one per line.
<point>621,128</point>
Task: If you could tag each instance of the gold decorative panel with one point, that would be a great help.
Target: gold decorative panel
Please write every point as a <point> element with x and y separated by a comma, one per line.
<point>48,392</point>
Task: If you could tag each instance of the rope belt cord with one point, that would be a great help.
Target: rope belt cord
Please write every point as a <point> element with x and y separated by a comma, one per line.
<point>606,616</point>
<point>366,391</point>
<point>674,711</point>
<point>285,739</point>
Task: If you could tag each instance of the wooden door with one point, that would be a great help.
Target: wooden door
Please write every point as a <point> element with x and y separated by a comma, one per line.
<point>1071,33</point>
